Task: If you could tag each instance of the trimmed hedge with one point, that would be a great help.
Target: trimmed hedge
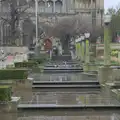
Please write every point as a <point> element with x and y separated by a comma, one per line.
<point>11,74</point>
<point>40,60</point>
<point>39,69</point>
<point>28,64</point>
<point>5,93</point>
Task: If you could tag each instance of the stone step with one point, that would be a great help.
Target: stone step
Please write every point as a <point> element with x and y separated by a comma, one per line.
<point>65,86</point>
<point>62,71</point>
<point>86,90</point>
<point>63,58</point>
<point>68,107</point>
<point>86,82</point>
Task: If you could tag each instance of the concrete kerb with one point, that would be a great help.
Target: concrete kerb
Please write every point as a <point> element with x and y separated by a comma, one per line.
<point>17,84</point>
<point>105,74</point>
<point>22,84</point>
<point>39,69</point>
<point>115,94</point>
<point>90,67</point>
<point>10,106</point>
<point>106,89</point>
<point>109,89</point>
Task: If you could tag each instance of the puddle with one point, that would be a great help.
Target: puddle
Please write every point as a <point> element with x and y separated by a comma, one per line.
<point>63,77</point>
<point>70,98</point>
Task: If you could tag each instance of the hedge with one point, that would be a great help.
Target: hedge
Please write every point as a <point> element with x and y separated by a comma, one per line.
<point>114,63</point>
<point>114,53</point>
<point>41,59</point>
<point>5,93</point>
<point>39,69</point>
<point>28,64</point>
<point>11,74</point>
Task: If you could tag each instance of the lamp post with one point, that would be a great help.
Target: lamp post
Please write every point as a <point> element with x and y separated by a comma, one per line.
<point>36,15</point>
<point>107,20</point>
<point>37,46</point>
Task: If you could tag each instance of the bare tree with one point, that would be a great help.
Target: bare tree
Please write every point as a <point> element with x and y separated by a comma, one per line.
<point>115,25</point>
<point>73,26</point>
<point>15,12</point>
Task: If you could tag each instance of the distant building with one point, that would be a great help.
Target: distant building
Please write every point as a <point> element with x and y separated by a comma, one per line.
<point>94,8</point>
<point>52,6</point>
<point>49,9</point>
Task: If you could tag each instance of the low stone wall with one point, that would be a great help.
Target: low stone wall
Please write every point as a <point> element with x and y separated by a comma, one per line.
<point>116,75</point>
<point>15,49</point>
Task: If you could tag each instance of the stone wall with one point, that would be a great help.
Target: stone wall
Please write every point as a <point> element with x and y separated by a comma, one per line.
<point>15,49</point>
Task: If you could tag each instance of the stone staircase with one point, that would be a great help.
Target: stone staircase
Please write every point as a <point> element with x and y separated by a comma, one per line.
<point>62,58</point>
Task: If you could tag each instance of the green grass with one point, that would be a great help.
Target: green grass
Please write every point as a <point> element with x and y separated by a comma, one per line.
<point>4,86</point>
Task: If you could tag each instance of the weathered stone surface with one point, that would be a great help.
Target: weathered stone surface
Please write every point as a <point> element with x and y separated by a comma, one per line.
<point>105,74</point>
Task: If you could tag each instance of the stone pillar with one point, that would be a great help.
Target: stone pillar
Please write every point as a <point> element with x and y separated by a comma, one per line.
<point>76,46</point>
<point>45,6</point>
<point>80,53</point>
<point>107,50</point>
<point>54,9</point>
<point>87,58</point>
<point>105,72</point>
<point>83,51</point>
<point>91,2</point>
<point>87,66</point>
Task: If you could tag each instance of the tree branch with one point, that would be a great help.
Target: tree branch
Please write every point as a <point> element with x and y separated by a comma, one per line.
<point>24,10</point>
<point>2,0</point>
<point>5,20</point>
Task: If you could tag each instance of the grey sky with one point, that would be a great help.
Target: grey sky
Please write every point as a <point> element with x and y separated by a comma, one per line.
<point>110,3</point>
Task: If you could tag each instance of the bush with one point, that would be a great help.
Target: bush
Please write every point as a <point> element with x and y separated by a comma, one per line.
<point>11,74</point>
<point>28,64</point>
<point>114,63</point>
<point>5,93</point>
<point>39,69</point>
<point>41,59</point>
<point>114,53</point>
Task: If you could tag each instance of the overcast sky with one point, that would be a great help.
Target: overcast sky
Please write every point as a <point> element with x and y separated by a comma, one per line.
<point>110,3</point>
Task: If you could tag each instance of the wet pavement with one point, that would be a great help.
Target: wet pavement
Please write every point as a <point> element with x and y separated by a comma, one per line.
<point>64,97</point>
<point>67,116</point>
<point>63,77</point>
<point>70,98</point>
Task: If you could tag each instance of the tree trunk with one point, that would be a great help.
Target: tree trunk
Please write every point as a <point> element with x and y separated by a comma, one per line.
<point>14,18</point>
<point>92,52</point>
<point>65,44</point>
